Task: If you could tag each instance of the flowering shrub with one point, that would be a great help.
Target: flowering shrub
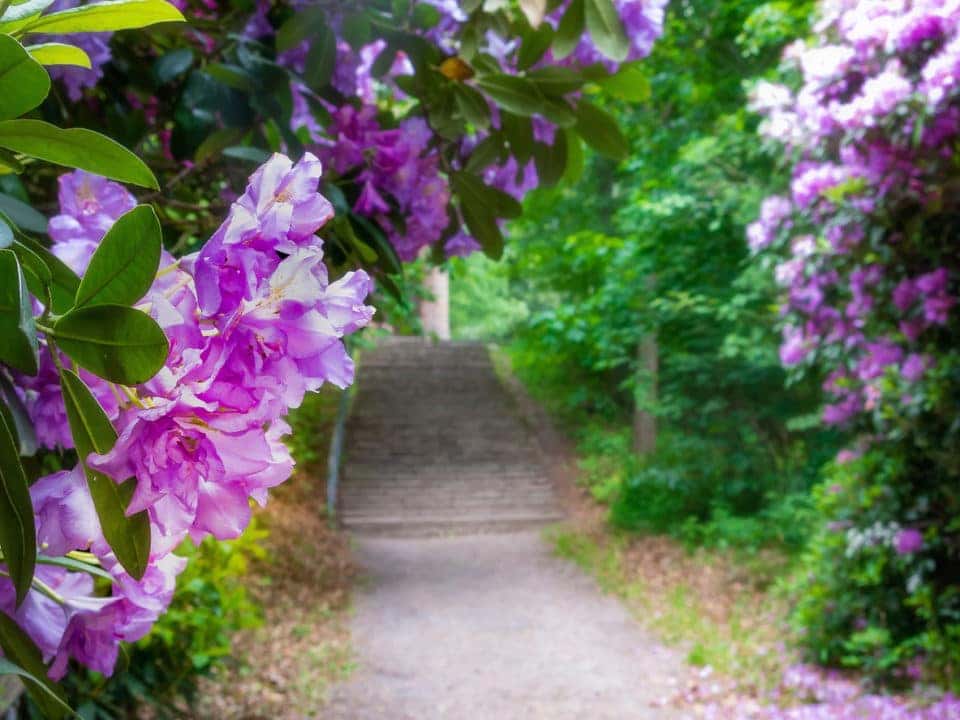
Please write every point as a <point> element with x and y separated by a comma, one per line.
<point>146,370</point>
<point>864,249</point>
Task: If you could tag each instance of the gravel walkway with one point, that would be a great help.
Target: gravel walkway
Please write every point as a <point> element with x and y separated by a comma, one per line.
<point>493,627</point>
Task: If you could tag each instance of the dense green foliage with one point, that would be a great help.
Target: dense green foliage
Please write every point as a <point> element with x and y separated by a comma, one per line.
<point>656,246</point>
<point>161,671</point>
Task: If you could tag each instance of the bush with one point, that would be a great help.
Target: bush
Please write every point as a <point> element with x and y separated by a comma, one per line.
<point>210,603</point>
<point>877,591</point>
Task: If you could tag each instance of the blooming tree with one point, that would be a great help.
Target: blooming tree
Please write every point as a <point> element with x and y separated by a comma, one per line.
<point>152,347</point>
<point>864,246</point>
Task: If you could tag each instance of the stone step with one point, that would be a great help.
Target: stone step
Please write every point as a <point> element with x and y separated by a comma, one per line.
<point>433,447</point>
<point>432,526</point>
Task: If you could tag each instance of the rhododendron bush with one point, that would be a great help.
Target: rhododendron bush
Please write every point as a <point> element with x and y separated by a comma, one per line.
<point>151,344</point>
<point>864,245</point>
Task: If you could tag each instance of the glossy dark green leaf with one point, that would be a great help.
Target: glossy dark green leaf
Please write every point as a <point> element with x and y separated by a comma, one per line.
<point>321,60</point>
<point>43,269</point>
<point>575,158</point>
<point>474,192</point>
<point>76,148</point>
<point>387,257</point>
<point>248,153</point>
<point>356,30</point>
<point>22,215</point>
<point>114,342</point>
<point>534,45</point>
<point>519,134</point>
<point>128,536</point>
<point>17,417</point>
<point>305,24</point>
<point>483,227</point>
<point>556,81</point>
<point>472,105</point>
<point>6,234</point>
<point>515,94</point>
<point>23,82</point>
<point>9,668</point>
<point>18,535</point>
<point>600,131</point>
<point>106,16</point>
<point>172,65</point>
<point>216,142</point>
<point>606,29</point>
<point>551,160</point>
<point>569,31</point>
<point>20,650</point>
<point>490,150</point>
<point>125,263</point>
<point>18,334</point>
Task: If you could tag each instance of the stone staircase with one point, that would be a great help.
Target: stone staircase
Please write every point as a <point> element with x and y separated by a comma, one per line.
<point>434,447</point>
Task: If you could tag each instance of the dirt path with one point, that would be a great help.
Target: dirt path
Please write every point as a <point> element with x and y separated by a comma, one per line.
<point>493,627</point>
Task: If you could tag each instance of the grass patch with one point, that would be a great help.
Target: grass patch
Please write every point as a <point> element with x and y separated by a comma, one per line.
<point>710,604</point>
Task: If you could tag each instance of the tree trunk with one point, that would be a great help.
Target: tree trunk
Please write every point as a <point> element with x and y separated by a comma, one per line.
<point>435,314</point>
<point>644,422</point>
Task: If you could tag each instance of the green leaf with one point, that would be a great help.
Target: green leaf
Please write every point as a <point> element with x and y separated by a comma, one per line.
<point>17,417</point>
<point>6,234</point>
<point>23,82</point>
<point>629,83</point>
<point>128,536</point>
<point>23,10</point>
<point>216,142</point>
<point>473,106</point>
<point>551,161</point>
<point>556,81</point>
<point>569,31</point>
<point>321,60</point>
<point>22,215</point>
<point>483,226</point>
<point>310,21</point>
<point>18,334</point>
<point>491,149</point>
<point>114,342</point>
<point>600,131</point>
<point>20,650</point>
<point>474,192</point>
<point>59,54</point>
<point>519,133</point>
<point>575,158</point>
<point>9,668</point>
<point>535,45</point>
<point>105,17</point>
<point>606,29</point>
<point>42,268</point>
<point>172,65</point>
<point>76,148</point>
<point>125,263</point>
<point>387,257</point>
<point>18,535</point>
<point>515,94</point>
<point>245,152</point>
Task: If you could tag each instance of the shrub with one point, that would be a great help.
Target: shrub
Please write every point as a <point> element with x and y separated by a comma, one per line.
<point>211,602</point>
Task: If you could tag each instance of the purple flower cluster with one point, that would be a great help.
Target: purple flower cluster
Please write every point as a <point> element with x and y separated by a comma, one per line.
<point>253,322</point>
<point>817,694</point>
<point>95,45</point>
<point>398,174</point>
<point>872,127</point>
